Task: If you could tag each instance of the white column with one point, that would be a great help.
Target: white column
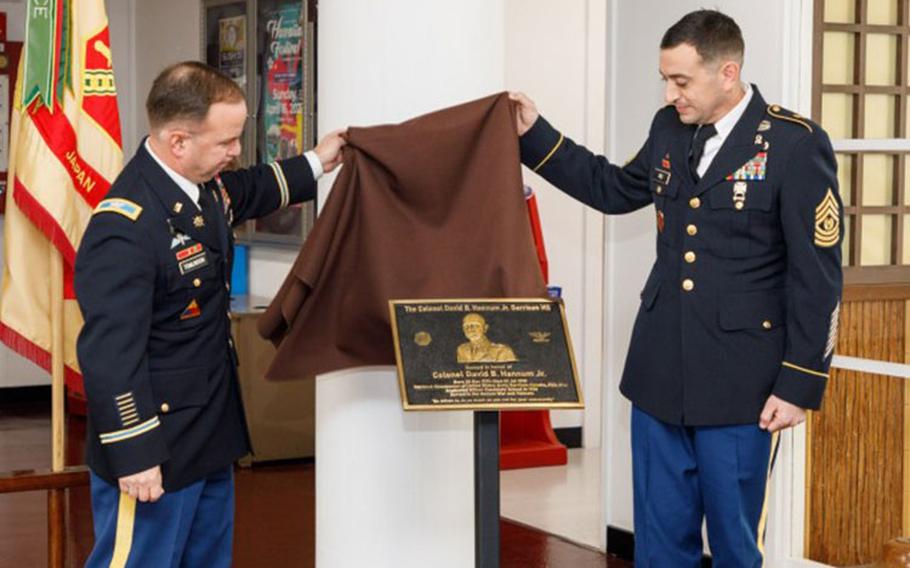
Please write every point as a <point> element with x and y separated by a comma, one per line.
<point>393,489</point>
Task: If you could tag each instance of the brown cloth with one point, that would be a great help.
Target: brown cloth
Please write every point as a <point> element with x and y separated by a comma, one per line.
<point>432,208</point>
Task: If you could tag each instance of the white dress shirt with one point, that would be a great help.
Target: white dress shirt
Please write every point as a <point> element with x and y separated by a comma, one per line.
<point>724,127</point>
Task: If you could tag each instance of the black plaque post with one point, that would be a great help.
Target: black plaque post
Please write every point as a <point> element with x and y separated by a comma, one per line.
<point>486,489</point>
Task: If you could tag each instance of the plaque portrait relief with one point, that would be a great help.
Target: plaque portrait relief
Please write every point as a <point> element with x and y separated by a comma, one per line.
<point>478,348</point>
<point>484,353</point>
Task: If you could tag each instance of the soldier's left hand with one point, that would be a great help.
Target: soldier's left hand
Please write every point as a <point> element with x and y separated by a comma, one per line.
<point>329,149</point>
<point>779,414</point>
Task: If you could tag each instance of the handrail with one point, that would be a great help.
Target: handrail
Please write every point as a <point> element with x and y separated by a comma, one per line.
<point>43,480</point>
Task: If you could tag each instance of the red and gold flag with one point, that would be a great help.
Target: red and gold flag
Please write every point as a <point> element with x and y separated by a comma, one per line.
<point>65,150</point>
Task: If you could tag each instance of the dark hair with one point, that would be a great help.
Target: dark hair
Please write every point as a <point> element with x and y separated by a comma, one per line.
<point>186,90</point>
<point>712,34</point>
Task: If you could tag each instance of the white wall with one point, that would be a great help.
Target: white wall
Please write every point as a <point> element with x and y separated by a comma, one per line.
<point>555,53</point>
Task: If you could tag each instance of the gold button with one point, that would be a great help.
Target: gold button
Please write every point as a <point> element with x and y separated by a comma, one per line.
<point>692,230</point>
<point>775,108</point>
<point>695,203</point>
<point>165,407</point>
<point>660,189</point>
<point>766,324</point>
<point>738,205</point>
<point>690,257</point>
<point>688,285</point>
<point>197,282</point>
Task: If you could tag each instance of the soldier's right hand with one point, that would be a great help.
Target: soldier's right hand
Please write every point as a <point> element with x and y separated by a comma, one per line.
<point>144,486</point>
<point>527,112</point>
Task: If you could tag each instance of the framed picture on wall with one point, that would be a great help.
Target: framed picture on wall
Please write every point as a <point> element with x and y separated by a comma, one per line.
<point>266,46</point>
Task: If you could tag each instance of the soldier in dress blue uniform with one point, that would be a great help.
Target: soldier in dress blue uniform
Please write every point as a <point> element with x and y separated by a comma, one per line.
<point>165,420</point>
<point>738,318</point>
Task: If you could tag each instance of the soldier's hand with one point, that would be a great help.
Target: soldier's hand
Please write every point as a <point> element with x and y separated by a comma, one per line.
<point>779,414</point>
<point>527,112</point>
<point>144,486</point>
<point>329,149</point>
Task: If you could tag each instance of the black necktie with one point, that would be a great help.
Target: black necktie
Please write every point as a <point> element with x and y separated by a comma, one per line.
<point>698,147</point>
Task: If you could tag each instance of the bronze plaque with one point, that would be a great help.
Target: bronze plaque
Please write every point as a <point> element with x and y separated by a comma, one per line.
<point>502,354</point>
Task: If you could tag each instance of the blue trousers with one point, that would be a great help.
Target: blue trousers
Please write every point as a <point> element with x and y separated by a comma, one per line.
<point>189,528</point>
<point>684,474</point>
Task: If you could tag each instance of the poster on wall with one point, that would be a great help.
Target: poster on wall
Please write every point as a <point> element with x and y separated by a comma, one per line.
<point>283,108</point>
<point>232,48</point>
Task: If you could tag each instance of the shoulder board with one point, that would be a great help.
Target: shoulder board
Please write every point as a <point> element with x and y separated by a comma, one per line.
<point>783,114</point>
<point>119,205</point>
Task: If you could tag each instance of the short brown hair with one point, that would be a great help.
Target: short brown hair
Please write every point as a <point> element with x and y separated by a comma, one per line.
<point>713,34</point>
<point>186,90</point>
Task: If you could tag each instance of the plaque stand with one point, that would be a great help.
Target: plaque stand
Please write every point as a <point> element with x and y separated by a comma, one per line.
<point>394,488</point>
<point>486,489</point>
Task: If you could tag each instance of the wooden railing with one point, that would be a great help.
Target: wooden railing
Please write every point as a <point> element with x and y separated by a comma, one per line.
<point>56,484</point>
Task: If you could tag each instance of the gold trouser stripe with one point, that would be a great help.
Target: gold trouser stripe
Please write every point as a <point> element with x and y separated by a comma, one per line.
<point>123,541</point>
<point>550,155</point>
<point>805,370</point>
<point>763,520</point>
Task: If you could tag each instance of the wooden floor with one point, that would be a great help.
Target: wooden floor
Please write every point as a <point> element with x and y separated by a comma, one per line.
<point>275,510</point>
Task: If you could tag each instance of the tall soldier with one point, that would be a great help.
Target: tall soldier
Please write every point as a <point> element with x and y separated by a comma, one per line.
<point>738,318</point>
<point>152,279</point>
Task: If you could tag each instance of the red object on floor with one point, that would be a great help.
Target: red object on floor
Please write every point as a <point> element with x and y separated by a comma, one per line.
<point>526,437</point>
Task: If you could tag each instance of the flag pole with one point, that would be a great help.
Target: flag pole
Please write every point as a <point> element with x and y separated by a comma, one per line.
<point>55,498</point>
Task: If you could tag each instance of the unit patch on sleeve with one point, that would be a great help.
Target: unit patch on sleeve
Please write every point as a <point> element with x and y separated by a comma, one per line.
<point>124,207</point>
<point>827,221</point>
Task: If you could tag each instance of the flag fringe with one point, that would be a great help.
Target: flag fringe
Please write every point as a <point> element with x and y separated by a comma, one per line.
<point>39,356</point>
<point>44,221</point>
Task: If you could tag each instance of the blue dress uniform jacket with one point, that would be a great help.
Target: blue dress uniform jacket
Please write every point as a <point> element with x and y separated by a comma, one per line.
<point>152,280</point>
<point>744,296</point>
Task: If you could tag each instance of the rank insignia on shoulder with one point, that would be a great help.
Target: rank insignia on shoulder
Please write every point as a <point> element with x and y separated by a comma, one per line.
<point>119,205</point>
<point>191,311</point>
<point>827,221</point>
<point>753,170</point>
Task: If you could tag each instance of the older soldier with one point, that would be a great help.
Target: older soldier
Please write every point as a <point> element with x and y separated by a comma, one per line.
<point>738,318</point>
<point>152,278</point>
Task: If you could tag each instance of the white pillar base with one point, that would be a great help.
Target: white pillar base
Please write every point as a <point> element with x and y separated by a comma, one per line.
<point>393,489</point>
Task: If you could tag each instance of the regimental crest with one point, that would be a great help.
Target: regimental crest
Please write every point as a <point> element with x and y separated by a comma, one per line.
<point>827,221</point>
<point>99,97</point>
<point>753,170</point>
